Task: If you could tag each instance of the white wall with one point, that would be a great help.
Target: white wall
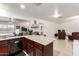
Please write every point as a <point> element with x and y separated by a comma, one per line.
<point>71,26</point>
<point>50,28</point>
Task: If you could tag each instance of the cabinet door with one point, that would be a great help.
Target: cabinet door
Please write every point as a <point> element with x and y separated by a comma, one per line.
<point>38,52</point>
<point>4,49</point>
<point>38,49</point>
<point>28,46</point>
<point>24,43</point>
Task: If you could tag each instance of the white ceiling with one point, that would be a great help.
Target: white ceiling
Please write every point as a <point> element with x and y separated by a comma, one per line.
<point>44,10</point>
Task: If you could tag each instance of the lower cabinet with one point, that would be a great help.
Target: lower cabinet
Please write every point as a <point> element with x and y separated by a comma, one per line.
<point>38,49</point>
<point>28,46</point>
<point>32,48</point>
<point>4,48</point>
<point>38,52</point>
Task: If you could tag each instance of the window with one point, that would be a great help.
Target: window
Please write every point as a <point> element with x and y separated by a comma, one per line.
<point>6,27</point>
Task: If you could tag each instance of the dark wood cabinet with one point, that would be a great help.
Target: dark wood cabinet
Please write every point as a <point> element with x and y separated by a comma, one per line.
<point>38,52</point>
<point>37,45</point>
<point>24,43</point>
<point>42,50</point>
<point>28,46</point>
<point>4,48</point>
<point>32,48</point>
<point>36,49</point>
<point>48,50</point>
<point>9,47</point>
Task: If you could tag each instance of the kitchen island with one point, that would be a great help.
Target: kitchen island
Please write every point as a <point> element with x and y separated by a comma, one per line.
<point>33,45</point>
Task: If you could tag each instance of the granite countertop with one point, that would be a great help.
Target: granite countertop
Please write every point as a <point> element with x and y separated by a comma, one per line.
<point>39,39</point>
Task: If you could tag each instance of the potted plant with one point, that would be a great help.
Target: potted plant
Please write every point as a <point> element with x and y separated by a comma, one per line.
<point>30,31</point>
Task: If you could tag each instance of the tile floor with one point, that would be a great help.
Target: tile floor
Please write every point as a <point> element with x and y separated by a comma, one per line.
<point>63,48</point>
<point>76,48</point>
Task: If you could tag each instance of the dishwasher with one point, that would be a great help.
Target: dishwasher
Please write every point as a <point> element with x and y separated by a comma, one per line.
<point>16,46</point>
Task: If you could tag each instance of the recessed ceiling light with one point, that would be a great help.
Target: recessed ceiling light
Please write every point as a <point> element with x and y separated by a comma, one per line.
<point>56,14</point>
<point>22,6</point>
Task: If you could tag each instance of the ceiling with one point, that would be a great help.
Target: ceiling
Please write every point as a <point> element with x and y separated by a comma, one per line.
<point>44,10</point>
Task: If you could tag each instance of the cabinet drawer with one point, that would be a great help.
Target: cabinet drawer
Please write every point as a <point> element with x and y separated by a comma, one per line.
<point>37,45</point>
<point>29,41</point>
<point>4,42</point>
